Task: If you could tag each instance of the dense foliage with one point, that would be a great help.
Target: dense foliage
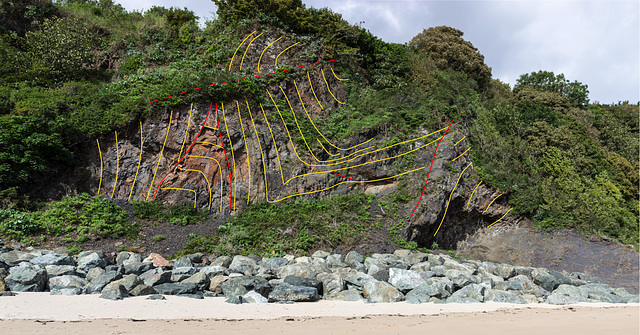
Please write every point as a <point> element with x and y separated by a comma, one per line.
<point>74,69</point>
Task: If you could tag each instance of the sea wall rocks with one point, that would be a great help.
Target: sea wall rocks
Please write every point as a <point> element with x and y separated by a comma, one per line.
<point>408,276</point>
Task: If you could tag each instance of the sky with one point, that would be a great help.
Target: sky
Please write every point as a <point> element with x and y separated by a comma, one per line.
<point>595,42</point>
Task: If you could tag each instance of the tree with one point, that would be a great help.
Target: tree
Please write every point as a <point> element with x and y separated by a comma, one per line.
<point>24,15</point>
<point>446,47</point>
<point>576,92</point>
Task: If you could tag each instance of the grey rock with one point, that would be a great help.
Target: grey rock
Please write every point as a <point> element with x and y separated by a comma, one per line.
<point>242,264</point>
<point>52,259</point>
<point>212,271</point>
<point>197,258</point>
<point>378,291</point>
<point>223,261</point>
<point>505,271</point>
<point>92,260</point>
<point>622,292</point>
<point>461,279</point>
<point>130,281</point>
<point>253,297</point>
<point>142,289</point>
<point>545,280</point>
<point>26,278</point>
<point>66,285</point>
<point>243,284</point>
<point>286,292</point>
<point>156,297</point>
<point>453,265</point>
<point>405,280</point>
<point>335,261</point>
<point>137,268</point>
<point>15,257</point>
<point>122,256</point>
<point>60,270</point>
<point>472,291</point>
<point>425,292</point>
<point>588,278</point>
<point>566,294</point>
<point>435,260</point>
<point>357,280</point>
<point>402,253</point>
<point>346,295</point>
<point>461,300</point>
<point>176,288</point>
<point>320,254</point>
<point>331,283</point>
<point>304,259</point>
<point>181,273</point>
<point>92,274</point>
<point>235,299</point>
<point>417,257</point>
<point>421,267</point>
<point>297,270</point>
<point>502,296</point>
<point>114,291</point>
<point>216,283</point>
<point>524,271</point>
<point>156,276</point>
<point>438,270</point>
<point>353,257</point>
<point>596,291</point>
<point>561,278</point>
<point>197,295</point>
<point>201,280</point>
<point>274,263</point>
<point>299,281</point>
<point>98,283</point>
<point>183,262</point>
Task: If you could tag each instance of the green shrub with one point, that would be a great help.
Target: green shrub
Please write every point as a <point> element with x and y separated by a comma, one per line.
<point>17,223</point>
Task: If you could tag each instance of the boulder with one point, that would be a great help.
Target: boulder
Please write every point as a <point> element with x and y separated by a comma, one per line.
<point>402,253</point>
<point>272,264</point>
<point>435,260</point>
<point>223,261</point>
<point>357,280</point>
<point>122,256</point>
<point>331,283</point>
<point>335,261</point>
<point>438,270</point>
<point>588,278</point>
<point>66,285</point>
<point>562,279</point>
<point>297,270</point>
<point>156,276</point>
<point>114,291</point>
<point>15,257</point>
<point>181,273</point>
<point>474,292</point>
<point>26,278</point>
<point>424,292</point>
<point>156,297</point>
<point>417,257</point>
<point>243,284</point>
<point>215,284</point>
<point>183,262</point>
<point>130,281</point>
<point>98,283</point>
<point>566,294</point>
<point>287,292</point>
<point>524,271</point>
<point>346,295</point>
<point>235,299</point>
<point>142,289</point>
<point>405,280</point>
<point>596,291</point>
<point>60,270</point>
<point>353,257</point>
<point>544,280</point>
<point>92,260</point>
<point>176,288</point>
<point>299,281</point>
<point>378,291</point>
<point>320,254</point>
<point>421,267</point>
<point>502,296</point>
<point>52,259</point>
<point>242,264</point>
<point>137,268</point>
<point>91,275</point>
<point>215,270</point>
<point>461,279</point>
<point>157,260</point>
<point>505,271</point>
<point>201,280</point>
<point>253,297</point>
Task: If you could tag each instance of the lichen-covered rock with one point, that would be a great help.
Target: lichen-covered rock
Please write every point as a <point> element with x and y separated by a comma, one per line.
<point>299,281</point>
<point>67,285</point>
<point>353,257</point>
<point>566,294</point>
<point>405,280</point>
<point>176,288</point>
<point>201,280</point>
<point>215,285</point>
<point>243,264</point>
<point>253,297</point>
<point>114,291</point>
<point>26,278</point>
<point>545,280</point>
<point>142,289</point>
<point>331,283</point>
<point>502,296</point>
<point>52,258</point>
<point>357,280</point>
<point>181,273</point>
<point>286,292</point>
<point>243,284</point>
<point>156,276</point>
<point>92,260</point>
<point>377,291</point>
<point>346,295</point>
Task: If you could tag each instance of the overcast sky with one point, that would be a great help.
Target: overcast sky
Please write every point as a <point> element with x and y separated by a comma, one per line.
<point>594,42</point>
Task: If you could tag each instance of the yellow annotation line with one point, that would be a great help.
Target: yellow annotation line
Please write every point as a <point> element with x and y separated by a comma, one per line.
<point>185,133</point>
<point>205,142</point>
<point>195,195</point>
<point>314,91</point>
<point>246,148</point>
<point>101,165</point>
<point>239,45</point>
<point>219,170</point>
<point>474,191</point>
<point>117,166</point>
<point>247,49</point>
<point>334,74</point>
<point>284,51</point>
<point>274,142</point>
<point>265,49</point>
<point>505,214</point>
<point>160,157</point>
<point>233,156</point>
<point>328,89</point>
<point>459,141</point>
<point>494,199</point>
<point>314,125</point>
<point>211,128</point>
<point>325,149</point>
<point>205,179</point>
<point>137,169</point>
<point>449,202</point>
<point>453,160</point>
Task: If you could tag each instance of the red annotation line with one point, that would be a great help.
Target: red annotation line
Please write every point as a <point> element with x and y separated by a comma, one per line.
<point>343,176</point>
<point>434,158</point>
<point>185,154</point>
<point>225,157</point>
<point>256,76</point>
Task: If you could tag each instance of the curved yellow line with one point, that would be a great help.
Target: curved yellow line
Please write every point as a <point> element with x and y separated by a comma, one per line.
<point>205,178</point>
<point>471,196</point>
<point>265,49</point>
<point>185,134</point>
<point>233,156</point>
<point>274,143</point>
<point>239,45</point>
<point>101,165</point>
<point>138,169</point>
<point>453,160</point>
<point>219,170</point>
<point>494,199</point>
<point>314,91</point>
<point>117,166</point>
<point>246,147</point>
<point>459,141</point>
<point>328,89</point>
<point>195,195</point>
<point>449,202</point>
<point>505,214</point>
<point>204,142</point>
<point>276,65</point>
<point>325,149</point>
<point>247,49</point>
<point>316,128</point>
<point>159,158</point>
<point>211,128</point>
<point>334,74</point>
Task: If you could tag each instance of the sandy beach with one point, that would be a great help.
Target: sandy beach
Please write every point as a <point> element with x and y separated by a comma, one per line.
<point>41,313</point>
